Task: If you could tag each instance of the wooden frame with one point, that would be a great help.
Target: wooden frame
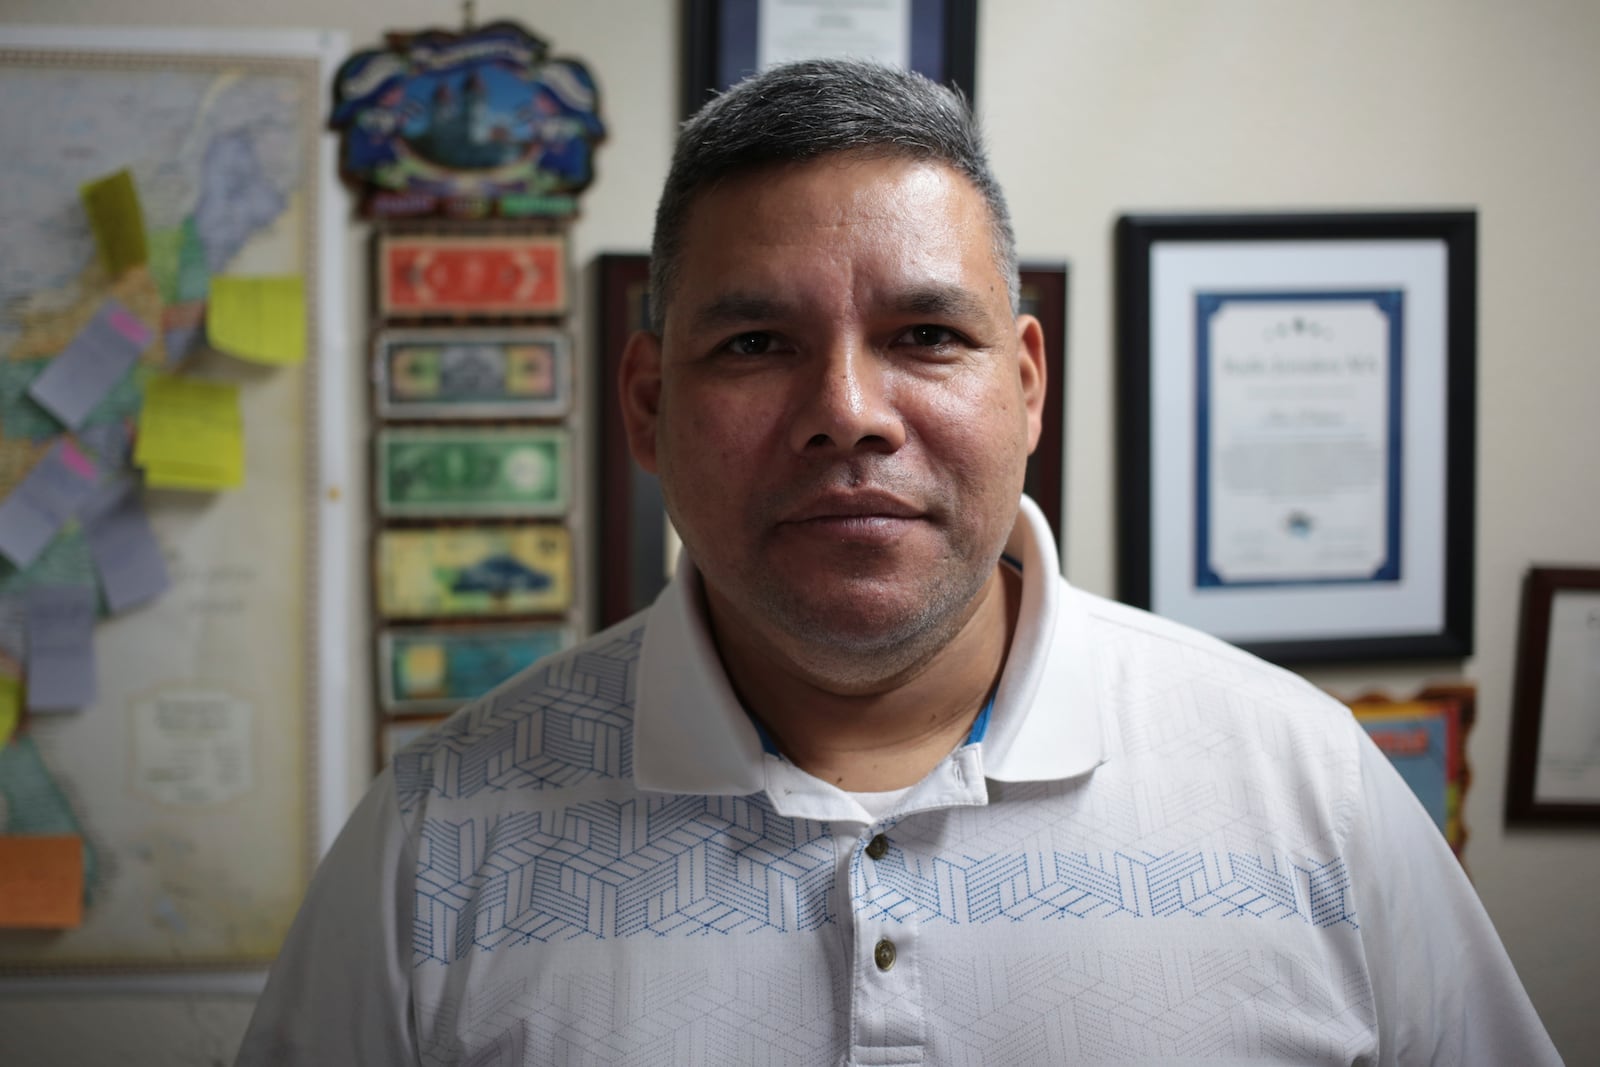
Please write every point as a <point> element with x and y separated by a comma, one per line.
<point>719,45</point>
<point>1402,288</point>
<point>1557,650</point>
<point>632,518</point>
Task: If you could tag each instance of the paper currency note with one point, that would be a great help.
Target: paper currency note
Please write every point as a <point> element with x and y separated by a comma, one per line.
<point>448,373</point>
<point>433,669</point>
<point>473,471</point>
<point>454,571</point>
<point>500,274</point>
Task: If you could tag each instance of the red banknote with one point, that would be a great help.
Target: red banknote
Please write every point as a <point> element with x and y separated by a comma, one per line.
<point>500,274</point>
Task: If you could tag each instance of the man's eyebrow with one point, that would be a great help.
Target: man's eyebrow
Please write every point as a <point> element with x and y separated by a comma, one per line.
<point>735,309</point>
<point>941,301</point>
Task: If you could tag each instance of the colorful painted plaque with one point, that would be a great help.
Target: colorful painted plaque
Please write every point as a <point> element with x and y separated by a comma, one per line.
<point>447,373</point>
<point>1424,739</point>
<point>467,125</point>
<point>449,571</point>
<point>500,274</point>
<point>478,471</point>
<point>440,668</point>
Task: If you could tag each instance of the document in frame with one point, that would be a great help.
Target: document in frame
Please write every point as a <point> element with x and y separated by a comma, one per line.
<point>1298,438</point>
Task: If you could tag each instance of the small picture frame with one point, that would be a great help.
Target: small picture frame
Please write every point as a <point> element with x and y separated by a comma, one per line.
<point>726,40</point>
<point>472,471</point>
<point>482,275</point>
<point>1555,712</point>
<point>1296,401</point>
<point>461,373</point>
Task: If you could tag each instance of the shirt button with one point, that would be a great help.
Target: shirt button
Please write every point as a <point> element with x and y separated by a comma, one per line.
<point>878,847</point>
<point>883,954</point>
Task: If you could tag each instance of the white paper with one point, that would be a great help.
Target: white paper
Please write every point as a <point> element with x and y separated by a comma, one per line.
<point>878,30</point>
<point>1296,476</point>
<point>192,746</point>
<point>1569,726</point>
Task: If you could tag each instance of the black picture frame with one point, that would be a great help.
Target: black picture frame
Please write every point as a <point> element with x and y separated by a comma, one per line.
<point>631,511</point>
<point>1429,258</point>
<point>1532,690</point>
<point>719,45</point>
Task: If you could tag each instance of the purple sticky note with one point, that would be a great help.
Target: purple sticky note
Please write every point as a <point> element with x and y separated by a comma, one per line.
<point>60,670</point>
<point>126,554</point>
<point>95,361</point>
<point>52,493</point>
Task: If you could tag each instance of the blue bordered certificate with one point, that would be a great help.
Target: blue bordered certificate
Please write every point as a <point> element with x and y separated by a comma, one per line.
<point>1298,437</point>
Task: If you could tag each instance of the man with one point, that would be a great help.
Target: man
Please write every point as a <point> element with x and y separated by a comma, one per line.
<point>869,783</point>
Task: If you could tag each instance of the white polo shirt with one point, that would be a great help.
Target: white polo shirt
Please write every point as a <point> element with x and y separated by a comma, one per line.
<point>1155,849</point>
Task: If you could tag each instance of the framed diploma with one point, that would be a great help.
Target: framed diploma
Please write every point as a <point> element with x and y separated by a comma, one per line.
<point>1555,711</point>
<point>725,40</point>
<point>1296,429</point>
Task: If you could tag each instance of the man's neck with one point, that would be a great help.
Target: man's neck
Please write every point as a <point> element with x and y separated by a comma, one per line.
<point>885,735</point>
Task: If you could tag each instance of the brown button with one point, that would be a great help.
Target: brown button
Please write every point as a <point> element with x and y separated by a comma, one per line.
<point>883,954</point>
<point>878,847</point>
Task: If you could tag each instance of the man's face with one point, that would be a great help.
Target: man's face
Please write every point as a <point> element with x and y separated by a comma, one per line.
<point>842,403</point>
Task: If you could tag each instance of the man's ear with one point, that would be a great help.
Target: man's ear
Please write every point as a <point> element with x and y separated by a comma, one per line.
<point>639,390</point>
<point>1034,374</point>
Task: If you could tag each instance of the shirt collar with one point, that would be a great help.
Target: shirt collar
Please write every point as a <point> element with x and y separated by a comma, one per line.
<point>691,735</point>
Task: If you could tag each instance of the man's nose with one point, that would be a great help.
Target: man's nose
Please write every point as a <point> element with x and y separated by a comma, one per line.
<point>848,403</point>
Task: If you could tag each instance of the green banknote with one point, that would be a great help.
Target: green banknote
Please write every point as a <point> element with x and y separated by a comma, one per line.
<point>487,471</point>
<point>486,570</point>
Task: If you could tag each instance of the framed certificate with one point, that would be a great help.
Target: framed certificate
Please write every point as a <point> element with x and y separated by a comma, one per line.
<point>1296,428</point>
<point>1555,711</point>
<point>725,40</point>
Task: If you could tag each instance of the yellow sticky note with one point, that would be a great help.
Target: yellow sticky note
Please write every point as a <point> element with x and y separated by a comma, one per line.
<point>117,220</point>
<point>41,882</point>
<point>262,319</point>
<point>10,707</point>
<point>191,435</point>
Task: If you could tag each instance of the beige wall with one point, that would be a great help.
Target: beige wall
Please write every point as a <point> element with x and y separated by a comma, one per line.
<point>1098,107</point>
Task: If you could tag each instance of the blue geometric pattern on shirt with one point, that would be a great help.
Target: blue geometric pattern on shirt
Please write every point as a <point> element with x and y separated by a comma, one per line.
<point>1036,885</point>
<point>656,866</point>
<point>568,723</point>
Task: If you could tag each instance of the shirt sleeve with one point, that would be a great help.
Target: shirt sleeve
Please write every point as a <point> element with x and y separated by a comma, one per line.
<point>340,989</point>
<point>1445,990</point>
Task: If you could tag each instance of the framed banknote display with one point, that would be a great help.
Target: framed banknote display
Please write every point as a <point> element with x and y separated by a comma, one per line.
<point>448,372</point>
<point>439,668</point>
<point>426,572</point>
<point>727,39</point>
<point>1555,711</point>
<point>503,471</point>
<point>1295,429</point>
<point>478,273</point>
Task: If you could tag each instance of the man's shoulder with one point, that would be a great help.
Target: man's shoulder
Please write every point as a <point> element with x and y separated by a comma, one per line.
<point>1137,651</point>
<point>564,720</point>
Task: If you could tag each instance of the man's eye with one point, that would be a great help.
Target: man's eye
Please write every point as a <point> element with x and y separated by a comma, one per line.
<point>929,336</point>
<point>751,344</point>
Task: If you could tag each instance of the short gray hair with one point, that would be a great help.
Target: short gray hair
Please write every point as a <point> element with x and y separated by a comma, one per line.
<point>802,111</point>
